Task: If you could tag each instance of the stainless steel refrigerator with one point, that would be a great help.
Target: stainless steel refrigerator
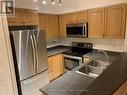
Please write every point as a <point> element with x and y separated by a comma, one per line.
<point>30,53</point>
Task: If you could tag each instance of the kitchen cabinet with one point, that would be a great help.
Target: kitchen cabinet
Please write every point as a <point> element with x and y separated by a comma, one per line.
<point>62,25</point>
<point>107,22</point>
<point>42,21</point>
<point>122,90</point>
<point>55,66</point>
<point>8,85</point>
<point>23,17</point>
<point>16,19</point>
<point>96,23</point>
<point>29,17</point>
<point>77,17</point>
<point>52,29</point>
<point>115,18</point>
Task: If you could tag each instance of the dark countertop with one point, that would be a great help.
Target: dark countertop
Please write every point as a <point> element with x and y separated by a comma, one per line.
<point>106,84</point>
<point>111,79</point>
<point>71,83</point>
<point>100,55</point>
<point>56,50</point>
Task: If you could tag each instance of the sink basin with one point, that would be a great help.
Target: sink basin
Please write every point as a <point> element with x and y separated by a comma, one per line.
<point>100,64</point>
<point>90,71</point>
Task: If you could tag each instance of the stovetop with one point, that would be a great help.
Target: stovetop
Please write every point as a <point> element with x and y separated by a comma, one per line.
<point>79,49</point>
<point>76,53</point>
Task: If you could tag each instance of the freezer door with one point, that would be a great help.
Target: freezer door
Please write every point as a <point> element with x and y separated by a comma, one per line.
<point>24,49</point>
<point>41,51</point>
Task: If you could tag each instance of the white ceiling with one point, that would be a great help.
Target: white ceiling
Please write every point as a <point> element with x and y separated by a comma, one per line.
<point>67,6</point>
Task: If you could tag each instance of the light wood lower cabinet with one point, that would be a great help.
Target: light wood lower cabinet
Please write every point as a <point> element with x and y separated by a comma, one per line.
<point>55,66</point>
<point>122,90</point>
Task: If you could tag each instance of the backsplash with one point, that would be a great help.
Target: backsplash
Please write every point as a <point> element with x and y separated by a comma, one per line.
<point>99,43</point>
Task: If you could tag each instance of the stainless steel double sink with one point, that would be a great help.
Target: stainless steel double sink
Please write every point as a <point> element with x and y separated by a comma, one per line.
<point>93,68</point>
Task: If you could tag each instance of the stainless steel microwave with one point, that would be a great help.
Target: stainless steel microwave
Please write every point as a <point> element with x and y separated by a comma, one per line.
<point>77,30</point>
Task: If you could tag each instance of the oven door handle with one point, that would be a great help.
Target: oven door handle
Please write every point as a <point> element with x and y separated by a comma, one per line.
<point>73,57</point>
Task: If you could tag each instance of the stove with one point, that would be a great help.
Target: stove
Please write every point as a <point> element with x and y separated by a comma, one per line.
<point>74,56</point>
<point>79,49</point>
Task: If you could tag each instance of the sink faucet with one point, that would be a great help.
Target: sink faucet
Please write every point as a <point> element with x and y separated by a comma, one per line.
<point>105,53</point>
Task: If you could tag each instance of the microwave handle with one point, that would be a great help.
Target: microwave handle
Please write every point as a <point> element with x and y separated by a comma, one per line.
<point>84,30</point>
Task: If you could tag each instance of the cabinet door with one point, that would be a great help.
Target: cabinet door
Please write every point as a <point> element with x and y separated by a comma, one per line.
<point>96,23</point>
<point>76,17</point>
<point>55,66</point>
<point>57,70</point>
<point>70,18</point>
<point>62,23</point>
<point>42,21</point>
<point>29,17</point>
<point>81,16</point>
<point>16,19</point>
<point>52,26</point>
<point>115,18</point>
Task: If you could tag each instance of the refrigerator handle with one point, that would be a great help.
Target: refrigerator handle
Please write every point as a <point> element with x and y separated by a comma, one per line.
<point>34,56</point>
<point>36,51</point>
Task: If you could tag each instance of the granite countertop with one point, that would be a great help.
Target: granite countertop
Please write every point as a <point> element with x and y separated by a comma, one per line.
<point>111,79</point>
<point>56,50</point>
<point>71,83</point>
<point>100,55</point>
<point>106,84</point>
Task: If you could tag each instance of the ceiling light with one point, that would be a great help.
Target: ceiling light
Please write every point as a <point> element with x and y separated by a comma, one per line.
<point>53,2</point>
<point>35,0</point>
<point>60,3</point>
<point>44,2</point>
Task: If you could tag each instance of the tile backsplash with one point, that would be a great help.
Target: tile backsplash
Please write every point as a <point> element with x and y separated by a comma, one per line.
<point>99,43</point>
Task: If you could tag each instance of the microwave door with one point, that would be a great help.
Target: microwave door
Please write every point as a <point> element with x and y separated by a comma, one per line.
<point>41,51</point>
<point>24,53</point>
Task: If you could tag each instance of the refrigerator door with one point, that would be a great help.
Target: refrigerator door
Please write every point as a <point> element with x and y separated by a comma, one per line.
<point>41,51</point>
<point>25,55</point>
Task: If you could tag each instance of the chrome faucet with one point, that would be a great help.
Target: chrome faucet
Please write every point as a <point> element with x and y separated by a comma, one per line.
<point>105,53</point>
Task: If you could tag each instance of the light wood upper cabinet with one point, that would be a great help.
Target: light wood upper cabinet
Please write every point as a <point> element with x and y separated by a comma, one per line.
<point>62,25</point>
<point>52,29</point>
<point>16,19</point>
<point>77,17</point>
<point>55,66</point>
<point>96,23</point>
<point>29,17</point>
<point>115,18</point>
<point>42,21</point>
<point>23,17</point>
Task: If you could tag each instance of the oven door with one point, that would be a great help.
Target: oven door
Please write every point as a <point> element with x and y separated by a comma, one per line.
<point>71,62</point>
